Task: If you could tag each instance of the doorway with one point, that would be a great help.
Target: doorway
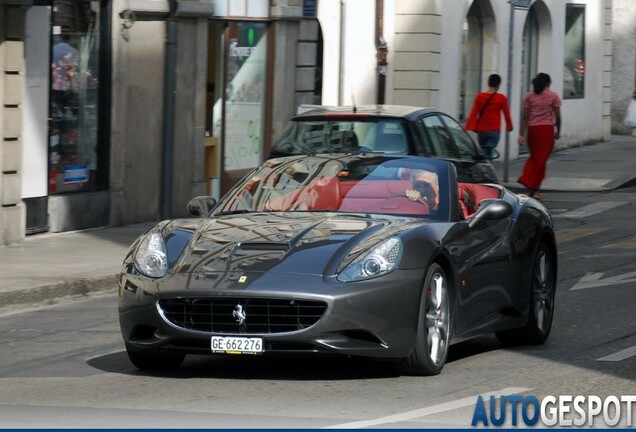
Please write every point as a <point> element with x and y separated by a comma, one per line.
<point>214,108</point>
<point>236,100</point>
<point>479,53</point>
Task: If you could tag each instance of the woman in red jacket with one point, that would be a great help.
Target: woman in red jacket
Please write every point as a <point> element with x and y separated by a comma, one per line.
<point>542,117</point>
<point>485,115</point>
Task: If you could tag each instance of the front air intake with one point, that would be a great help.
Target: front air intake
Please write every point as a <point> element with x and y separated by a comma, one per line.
<point>261,316</point>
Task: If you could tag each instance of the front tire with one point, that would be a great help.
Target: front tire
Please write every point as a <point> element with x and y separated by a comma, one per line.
<point>541,311</point>
<point>155,361</point>
<point>433,329</point>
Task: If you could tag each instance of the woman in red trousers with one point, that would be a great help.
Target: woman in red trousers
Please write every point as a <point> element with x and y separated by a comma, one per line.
<point>542,118</point>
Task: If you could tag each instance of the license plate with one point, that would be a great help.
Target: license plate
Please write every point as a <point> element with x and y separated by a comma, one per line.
<point>237,345</point>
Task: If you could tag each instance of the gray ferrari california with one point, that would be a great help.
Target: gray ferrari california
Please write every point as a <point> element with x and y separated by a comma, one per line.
<point>373,255</point>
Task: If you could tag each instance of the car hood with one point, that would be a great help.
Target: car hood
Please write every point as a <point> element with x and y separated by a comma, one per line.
<point>303,243</point>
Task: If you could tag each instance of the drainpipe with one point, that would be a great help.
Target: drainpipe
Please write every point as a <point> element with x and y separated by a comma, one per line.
<point>170,64</point>
<point>382,50</point>
<point>341,81</point>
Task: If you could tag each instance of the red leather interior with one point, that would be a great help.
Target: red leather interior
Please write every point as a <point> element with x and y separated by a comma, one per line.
<point>470,195</point>
<point>398,205</point>
<point>378,196</point>
<point>374,196</point>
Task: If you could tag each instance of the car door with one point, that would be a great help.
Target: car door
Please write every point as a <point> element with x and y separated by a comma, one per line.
<point>483,267</point>
<point>440,135</point>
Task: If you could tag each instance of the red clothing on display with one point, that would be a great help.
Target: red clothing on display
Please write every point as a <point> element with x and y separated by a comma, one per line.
<point>490,119</point>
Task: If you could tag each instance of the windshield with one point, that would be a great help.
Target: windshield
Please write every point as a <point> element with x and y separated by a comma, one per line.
<point>343,135</point>
<point>371,183</point>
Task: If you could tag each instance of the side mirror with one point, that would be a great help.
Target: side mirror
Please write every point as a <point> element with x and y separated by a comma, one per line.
<point>201,205</point>
<point>490,154</point>
<point>490,209</point>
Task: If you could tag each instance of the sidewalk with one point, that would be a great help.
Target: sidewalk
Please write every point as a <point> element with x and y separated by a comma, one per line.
<point>46,268</point>
<point>599,167</point>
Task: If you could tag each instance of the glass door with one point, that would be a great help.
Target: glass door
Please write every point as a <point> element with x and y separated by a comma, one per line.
<point>243,116</point>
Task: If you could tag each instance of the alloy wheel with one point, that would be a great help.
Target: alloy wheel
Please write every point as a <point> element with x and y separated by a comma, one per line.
<point>543,287</point>
<point>437,318</point>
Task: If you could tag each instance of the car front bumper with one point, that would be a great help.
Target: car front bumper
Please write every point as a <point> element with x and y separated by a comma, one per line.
<point>373,318</point>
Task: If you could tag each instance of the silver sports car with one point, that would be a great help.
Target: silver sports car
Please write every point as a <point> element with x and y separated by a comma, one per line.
<point>373,255</point>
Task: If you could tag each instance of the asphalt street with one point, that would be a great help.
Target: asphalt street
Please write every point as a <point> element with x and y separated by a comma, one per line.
<point>64,365</point>
<point>47,268</point>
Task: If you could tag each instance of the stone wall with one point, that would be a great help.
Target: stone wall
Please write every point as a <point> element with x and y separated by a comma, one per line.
<point>417,53</point>
<point>136,121</point>
<point>295,61</point>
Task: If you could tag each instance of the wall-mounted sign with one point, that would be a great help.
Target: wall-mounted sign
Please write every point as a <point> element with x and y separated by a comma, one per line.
<point>309,8</point>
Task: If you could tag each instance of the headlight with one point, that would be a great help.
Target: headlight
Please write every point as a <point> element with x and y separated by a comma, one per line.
<point>150,257</point>
<point>379,261</point>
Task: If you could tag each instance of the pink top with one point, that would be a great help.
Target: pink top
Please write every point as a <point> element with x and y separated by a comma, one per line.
<point>540,107</point>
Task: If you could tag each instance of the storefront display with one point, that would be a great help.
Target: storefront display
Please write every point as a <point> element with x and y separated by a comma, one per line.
<point>73,110</point>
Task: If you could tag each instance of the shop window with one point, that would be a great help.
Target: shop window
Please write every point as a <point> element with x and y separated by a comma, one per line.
<point>245,95</point>
<point>73,109</point>
<point>574,55</point>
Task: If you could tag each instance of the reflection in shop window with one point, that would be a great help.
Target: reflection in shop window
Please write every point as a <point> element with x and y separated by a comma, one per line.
<point>244,94</point>
<point>73,103</point>
<point>574,55</point>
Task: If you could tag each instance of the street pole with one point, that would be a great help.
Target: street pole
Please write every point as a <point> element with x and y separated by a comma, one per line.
<point>341,77</point>
<point>382,50</point>
<point>521,4</point>
<point>511,29</point>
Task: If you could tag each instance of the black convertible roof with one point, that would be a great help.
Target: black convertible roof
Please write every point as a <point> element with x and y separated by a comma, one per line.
<point>401,111</point>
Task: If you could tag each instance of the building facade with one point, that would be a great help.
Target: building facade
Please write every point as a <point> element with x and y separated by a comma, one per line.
<point>623,61</point>
<point>440,53</point>
<point>12,72</point>
<point>120,111</point>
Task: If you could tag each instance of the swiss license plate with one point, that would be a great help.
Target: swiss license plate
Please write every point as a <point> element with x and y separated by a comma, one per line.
<point>237,345</point>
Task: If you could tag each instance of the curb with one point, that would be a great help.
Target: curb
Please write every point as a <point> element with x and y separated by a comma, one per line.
<point>54,293</point>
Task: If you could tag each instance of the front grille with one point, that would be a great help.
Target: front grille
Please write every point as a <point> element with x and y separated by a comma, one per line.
<point>262,316</point>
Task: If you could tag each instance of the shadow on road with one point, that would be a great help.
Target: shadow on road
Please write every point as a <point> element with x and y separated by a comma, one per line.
<point>282,368</point>
<point>256,367</point>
